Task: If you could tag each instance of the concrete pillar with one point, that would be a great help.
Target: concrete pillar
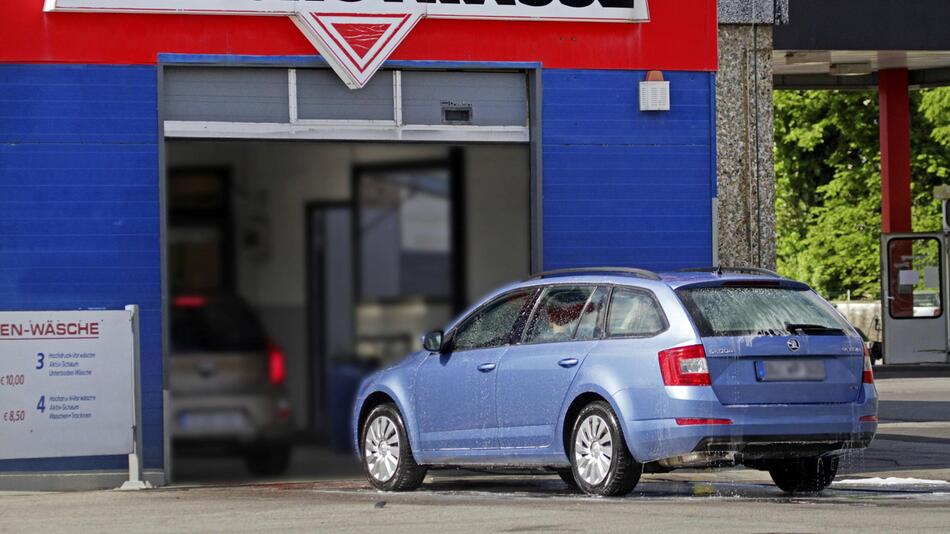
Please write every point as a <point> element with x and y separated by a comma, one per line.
<point>744,131</point>
<point>895,150</point>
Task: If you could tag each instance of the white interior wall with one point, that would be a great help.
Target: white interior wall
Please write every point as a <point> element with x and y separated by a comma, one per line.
<point>273,182</point>
<point>497,230</point>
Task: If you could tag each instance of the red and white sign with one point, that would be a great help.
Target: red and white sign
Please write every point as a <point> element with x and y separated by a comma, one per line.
<point>357,36</point>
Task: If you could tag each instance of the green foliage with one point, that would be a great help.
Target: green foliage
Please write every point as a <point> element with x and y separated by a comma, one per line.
<point>828,202</point>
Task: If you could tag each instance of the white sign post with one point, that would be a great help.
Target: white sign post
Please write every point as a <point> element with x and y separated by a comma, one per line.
<point>69,385</point>
<point>356,36</point>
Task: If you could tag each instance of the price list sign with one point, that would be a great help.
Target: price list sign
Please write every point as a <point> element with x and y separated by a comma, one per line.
<point>66,383</point>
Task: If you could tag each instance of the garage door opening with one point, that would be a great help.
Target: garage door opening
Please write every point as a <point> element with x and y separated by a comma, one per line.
<point>294,269</point>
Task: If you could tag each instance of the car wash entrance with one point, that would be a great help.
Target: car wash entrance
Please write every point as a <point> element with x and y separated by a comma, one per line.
<point>314,232</point>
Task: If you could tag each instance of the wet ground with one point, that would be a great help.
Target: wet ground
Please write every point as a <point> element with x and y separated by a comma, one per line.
<point>482,504</point>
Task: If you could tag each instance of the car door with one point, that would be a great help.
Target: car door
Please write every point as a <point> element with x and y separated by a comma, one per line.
<point>535,375</point>
<point>454,391</point>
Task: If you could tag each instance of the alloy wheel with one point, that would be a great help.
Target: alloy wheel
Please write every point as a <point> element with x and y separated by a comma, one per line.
<point>381,448</point>
<point>593,450</point>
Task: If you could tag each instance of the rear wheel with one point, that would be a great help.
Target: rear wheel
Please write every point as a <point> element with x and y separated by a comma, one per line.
<point>387,458</point>
<point>804,475</point>
<point>600,461</point>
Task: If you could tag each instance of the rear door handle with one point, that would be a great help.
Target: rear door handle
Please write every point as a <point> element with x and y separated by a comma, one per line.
<point>486,367</point>
<point>568,362</point>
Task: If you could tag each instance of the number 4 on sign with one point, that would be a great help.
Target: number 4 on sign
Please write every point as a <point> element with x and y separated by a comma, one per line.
<point>41,406</point>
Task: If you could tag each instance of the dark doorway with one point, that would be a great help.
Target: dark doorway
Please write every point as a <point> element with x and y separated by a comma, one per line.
<point>200,251</point>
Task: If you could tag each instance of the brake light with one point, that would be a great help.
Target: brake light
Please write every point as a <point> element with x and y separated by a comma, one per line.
<point>276,364</point>
<point>685,366</point>
<point>867,377</point>
<point>689,421</point>
<point>190,301</point>
<point>868,419</point>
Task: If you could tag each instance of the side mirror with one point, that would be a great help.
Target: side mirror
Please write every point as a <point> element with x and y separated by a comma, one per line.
<point>432,341</point>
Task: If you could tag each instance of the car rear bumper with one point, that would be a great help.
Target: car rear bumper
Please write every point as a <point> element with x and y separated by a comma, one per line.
<point>753,431</point>
<point>243,418</point>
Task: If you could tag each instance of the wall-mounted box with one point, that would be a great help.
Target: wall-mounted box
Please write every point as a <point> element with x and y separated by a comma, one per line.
<point>655,96</point>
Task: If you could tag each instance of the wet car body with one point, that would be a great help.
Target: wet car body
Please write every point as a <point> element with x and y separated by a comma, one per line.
<point>512,405</point>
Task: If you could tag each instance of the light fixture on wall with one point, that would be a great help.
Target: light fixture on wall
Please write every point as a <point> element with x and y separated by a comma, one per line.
<point>654,92</point>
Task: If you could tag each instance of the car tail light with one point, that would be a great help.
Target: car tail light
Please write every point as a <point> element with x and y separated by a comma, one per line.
<point>867,376</point>
<point>276,364</point>
<point>190,301</point>
<point>868,419</point>
<point>689,421</point>
<point>685,366</point>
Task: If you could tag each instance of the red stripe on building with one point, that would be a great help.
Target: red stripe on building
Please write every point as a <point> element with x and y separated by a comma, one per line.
<point>681,35</point>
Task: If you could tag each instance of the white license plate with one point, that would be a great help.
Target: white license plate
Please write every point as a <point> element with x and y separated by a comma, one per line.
<point>790,370</point>
<point>213,421</point>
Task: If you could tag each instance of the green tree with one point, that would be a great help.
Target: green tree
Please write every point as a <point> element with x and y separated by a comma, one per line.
<point>828,200</point>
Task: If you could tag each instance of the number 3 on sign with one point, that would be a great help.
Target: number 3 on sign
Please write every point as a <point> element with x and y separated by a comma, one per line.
<point>41,406</point>
<point>40,360</point>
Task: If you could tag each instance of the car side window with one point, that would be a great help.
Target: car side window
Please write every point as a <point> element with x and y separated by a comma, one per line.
<point>633,313</point>
<point>558,311</point>
<point>494,324</point>
<point>591,325</point>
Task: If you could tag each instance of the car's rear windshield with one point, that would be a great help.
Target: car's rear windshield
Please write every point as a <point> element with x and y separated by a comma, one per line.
<point>744,311</point>
<point>215,325</point>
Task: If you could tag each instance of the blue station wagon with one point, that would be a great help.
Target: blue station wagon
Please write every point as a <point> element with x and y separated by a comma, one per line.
<point>601,374</point>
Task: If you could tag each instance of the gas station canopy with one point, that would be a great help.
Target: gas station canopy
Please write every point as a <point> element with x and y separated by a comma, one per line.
<point>845,43</point>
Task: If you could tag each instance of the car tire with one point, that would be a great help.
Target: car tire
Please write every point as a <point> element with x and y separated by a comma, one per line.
<point>266,459</point>
<point>567,475</point>
<point>601,464</point>
<point>382,432</point>
<point>804,475</point>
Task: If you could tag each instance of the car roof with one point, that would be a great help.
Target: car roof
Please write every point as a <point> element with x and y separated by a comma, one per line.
<point>672,279</point>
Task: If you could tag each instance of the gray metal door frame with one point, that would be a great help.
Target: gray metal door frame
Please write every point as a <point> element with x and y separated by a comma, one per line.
<point>919,337</point>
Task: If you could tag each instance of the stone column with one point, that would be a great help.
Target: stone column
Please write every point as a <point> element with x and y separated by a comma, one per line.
<point>744,132</point>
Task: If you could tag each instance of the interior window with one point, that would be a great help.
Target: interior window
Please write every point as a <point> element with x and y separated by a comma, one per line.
<point>558,313</point>
<point>633,313</point>
<point>914,278</point>
<point>494,324</point>
<point>592,319</point>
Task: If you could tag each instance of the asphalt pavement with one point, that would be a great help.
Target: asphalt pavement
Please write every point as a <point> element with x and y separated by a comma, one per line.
<point>900,483</point>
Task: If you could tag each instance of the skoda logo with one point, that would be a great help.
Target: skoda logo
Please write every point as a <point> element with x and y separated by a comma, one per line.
<point>793,345</point>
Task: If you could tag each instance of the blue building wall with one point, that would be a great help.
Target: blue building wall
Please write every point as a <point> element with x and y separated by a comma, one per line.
<point>79,211</point>
<point>624,187</point>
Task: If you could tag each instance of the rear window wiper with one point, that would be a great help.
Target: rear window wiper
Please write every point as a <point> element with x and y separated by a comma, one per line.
<point>812,328</point>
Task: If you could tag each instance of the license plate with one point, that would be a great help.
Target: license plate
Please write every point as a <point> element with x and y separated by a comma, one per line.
<point>790,370</point>
<point>213,421</point>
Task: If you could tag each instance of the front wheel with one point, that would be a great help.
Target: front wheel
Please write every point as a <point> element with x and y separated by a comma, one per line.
<point>600,461</point>
<point>387,458</point>
<point>804,475</point>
